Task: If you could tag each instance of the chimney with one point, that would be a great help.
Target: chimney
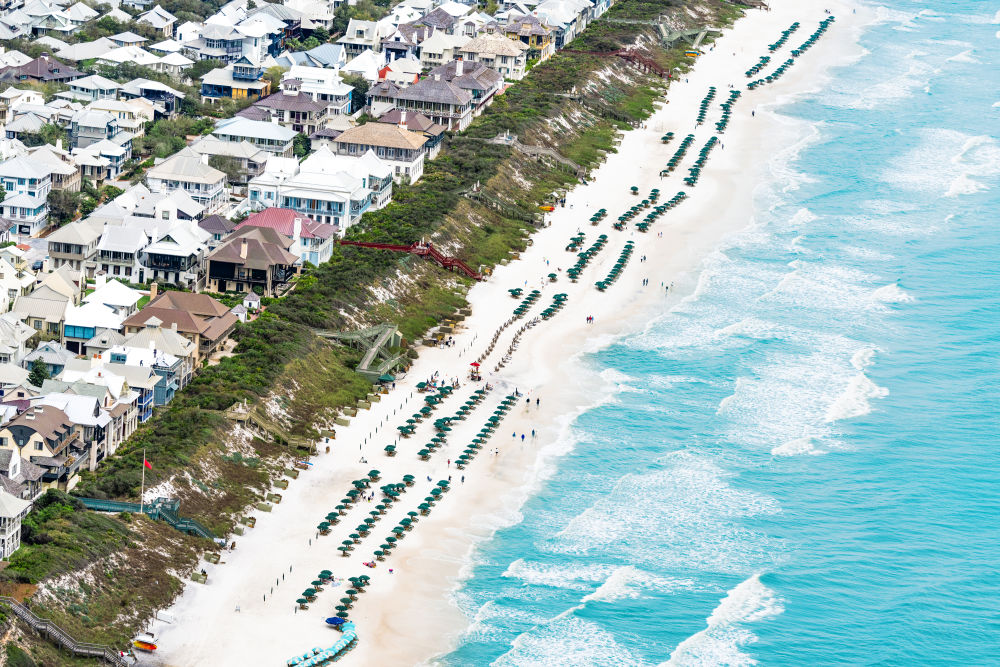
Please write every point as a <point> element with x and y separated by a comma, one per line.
<point>58,144</point>
<point>152,291</point>
<point>101,278</point>
<point>204,158</point>
<point>402,119</point>
<point>458,68</point>
<point>243,248</point>
<point>296,228</point>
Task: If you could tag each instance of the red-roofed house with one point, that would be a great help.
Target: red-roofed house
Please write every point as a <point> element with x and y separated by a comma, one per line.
<point>313,241</point>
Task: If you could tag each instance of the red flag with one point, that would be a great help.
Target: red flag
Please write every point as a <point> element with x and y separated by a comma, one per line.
<point>147,463</point>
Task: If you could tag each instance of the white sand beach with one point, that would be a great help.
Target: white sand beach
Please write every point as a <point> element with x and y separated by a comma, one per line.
<point>407,617</point>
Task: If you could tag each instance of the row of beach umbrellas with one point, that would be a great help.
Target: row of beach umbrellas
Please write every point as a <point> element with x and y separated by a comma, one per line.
<point>703,107</point>
<point>583,258</point>
<point>805,46</point>
<point>658,211</point>
<point>694,172</point>
<point>785,34</point>
<point>575,242</point>
<point>558,301</point>
<point>599,215</point>
<point>727,109</point>
<point>773,76</point>
<point>525,304</point>
<point>492,422</point>
<point>390,493</point>
<point>442,425</point>
<point>813,38</point>
<point>679,154</point>
<point>635,210</point>
<point>617,269</point>
<point>761,64</point>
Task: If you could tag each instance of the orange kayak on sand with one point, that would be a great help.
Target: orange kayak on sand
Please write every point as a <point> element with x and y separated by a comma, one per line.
<point>143,645</point>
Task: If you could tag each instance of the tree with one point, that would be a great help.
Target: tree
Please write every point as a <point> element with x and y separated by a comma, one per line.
<point>360,94</point>
<point>301,145</point>
<point>228,165</point>
<point>87,206</point>
<point>321,34</point>
<point>3,193</point>
<point>39,373</point>
<point>63,205</point>
<point>110,192</point>
<point>47,134</point>
<point>273,74</point>
<point>310,43</point>
<point>203,67</point>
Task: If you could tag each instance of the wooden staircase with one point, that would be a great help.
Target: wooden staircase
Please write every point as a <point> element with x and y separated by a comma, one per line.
<point>63,638</point>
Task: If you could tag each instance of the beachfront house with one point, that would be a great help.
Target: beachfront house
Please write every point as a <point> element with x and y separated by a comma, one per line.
<point>506,56</point>
<point>321,187</point>
<point>18,477</point>
<point>45,436</point>
<point>197,317</point>
<point>421,124</point>
<point>402,149</point>
<point>254,259</point>
<point>312,241</point>
<point>12,510</point>
<point>440,100</point>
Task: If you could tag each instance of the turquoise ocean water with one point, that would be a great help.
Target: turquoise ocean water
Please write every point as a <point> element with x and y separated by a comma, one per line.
<point>799,463</point>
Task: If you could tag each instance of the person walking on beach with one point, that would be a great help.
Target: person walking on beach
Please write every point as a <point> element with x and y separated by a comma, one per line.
<point>522,438</point>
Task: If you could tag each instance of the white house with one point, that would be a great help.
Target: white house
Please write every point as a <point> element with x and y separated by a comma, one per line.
<point>317,188</point>
<point>188,171</point>
<point>401,149</point>
<point>269,137</point>
<point>321,85</point>
<point>27,187</point>
<point>12,511</point>
<point>498,52</point>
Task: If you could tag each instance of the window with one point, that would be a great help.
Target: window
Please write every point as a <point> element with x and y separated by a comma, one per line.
<point>38,446</point>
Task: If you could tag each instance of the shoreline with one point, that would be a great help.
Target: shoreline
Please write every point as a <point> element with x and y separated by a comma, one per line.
<point>411,612</point>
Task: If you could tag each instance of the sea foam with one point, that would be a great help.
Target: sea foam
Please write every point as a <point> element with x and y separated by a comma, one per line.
<point>720,643</point>
<point>855,400</point>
